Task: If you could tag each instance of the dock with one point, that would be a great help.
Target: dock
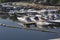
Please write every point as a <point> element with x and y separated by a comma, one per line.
<point>27,24</point>
<point>36,24</point>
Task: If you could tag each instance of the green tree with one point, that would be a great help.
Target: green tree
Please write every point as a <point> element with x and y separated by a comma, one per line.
<point>54,1</point>
<point>59,1</point>
<point>2,1</point>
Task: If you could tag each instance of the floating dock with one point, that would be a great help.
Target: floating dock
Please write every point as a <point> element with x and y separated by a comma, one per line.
<point>27,24</point>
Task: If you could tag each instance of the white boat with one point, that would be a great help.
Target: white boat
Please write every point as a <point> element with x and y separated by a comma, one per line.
<point>55,22</point>
<point>47,11</point>
<point>11,13</point>
<point>35,18</point>
<point>27,20</point>
<point>51,15</point>
<point>31,10</point>
<point>45,14</point>
<point>32,19</point>
<point>24,19</point>
<point>39,21</point>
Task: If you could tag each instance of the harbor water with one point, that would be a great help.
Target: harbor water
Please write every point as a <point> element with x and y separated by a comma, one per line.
<point>9,33</point>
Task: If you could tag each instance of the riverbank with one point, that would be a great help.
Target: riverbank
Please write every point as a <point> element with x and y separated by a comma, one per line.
<point>34,5</point>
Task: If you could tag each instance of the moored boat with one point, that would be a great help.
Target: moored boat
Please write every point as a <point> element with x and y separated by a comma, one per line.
<point>51,16</point>
<point>39,20</point>
<point>33,19</point>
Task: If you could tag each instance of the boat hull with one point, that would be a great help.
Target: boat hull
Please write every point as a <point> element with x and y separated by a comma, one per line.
<point>55,22</point>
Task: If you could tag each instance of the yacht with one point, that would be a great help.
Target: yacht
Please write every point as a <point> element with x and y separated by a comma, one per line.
<point>25,19</point>
<point>56,21</point>
<point>25,12</point>
<point>39,20</point>
<point>51,16</point>
<point>33,19</point>
<point>36,20</point>
<point>46,17</point>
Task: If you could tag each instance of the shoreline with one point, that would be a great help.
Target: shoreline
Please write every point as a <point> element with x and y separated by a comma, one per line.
<point>34,5</point>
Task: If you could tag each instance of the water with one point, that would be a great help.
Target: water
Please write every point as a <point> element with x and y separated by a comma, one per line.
<point>7,33</point>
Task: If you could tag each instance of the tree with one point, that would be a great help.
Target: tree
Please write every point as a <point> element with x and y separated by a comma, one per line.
<point>59,1</point>
<point>2,1</point>
<point>54,1</point>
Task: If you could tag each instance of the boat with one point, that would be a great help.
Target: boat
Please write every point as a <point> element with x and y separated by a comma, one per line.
<point>55,22</point>
<point>21,12</point>
<point>39,20</point>
<point>11,13</point>
<point>25,12</point>
<point>51,16</point>
<point>31,10</point>
<point>46,17</point>
<point>24,19</point>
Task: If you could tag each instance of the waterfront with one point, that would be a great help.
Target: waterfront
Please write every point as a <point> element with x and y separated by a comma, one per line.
<point>7,33</point>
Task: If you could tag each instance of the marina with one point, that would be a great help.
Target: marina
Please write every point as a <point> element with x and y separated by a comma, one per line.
<point>29,23</point>
<point>32,16</point>
<point>11,27</point>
